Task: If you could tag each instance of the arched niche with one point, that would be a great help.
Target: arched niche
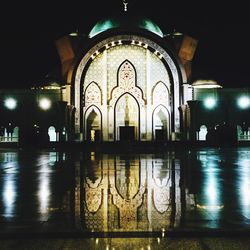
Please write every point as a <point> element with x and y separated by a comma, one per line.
<point>127,116</point>
<point>52,134</point>
<point>161,123</point>
<point>202,133</point>
<point>93,124</point>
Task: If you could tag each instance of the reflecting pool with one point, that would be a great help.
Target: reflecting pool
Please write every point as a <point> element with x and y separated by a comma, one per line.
<point>55,191</point>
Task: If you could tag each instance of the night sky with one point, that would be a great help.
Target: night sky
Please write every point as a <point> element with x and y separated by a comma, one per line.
<point>29,30</point>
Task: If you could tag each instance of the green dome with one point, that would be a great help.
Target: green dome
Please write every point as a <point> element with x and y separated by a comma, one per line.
<point>143,23</point>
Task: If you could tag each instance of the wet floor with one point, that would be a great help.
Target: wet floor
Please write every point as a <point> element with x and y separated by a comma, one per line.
<point>134,195</point>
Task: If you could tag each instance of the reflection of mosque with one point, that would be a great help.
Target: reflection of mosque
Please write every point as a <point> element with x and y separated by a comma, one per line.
<point>140,193</point>
<point>134,193</point>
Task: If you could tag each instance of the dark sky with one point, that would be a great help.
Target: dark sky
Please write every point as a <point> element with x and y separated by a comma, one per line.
<point>29,30</point>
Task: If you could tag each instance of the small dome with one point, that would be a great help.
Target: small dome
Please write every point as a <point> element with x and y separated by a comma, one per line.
<point>142,23</point>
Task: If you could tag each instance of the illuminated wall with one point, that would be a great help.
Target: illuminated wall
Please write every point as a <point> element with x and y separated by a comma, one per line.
<point>127,83</point>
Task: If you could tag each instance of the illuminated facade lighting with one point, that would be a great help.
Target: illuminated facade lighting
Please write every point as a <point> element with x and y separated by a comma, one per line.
<point>75,33</point>
<point>10,103</point>
<point>244,102</point>
<point>44,103</point>
<point>206,84</point>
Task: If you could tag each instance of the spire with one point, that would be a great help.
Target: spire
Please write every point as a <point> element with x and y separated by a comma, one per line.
<point>125,3</point>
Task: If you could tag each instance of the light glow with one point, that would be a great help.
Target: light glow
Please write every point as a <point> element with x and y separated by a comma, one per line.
<point>243,102</point>
<point>10,103</point>
<point>45,104</point>
<point>210,102</point>
<point>206,84</point>
<point>211,207</point>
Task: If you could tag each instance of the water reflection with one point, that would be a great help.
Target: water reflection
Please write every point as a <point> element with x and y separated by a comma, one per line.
<point>244,183</point>
<point>9,191</point>
<point>128,192</point>
<point>210,196</point>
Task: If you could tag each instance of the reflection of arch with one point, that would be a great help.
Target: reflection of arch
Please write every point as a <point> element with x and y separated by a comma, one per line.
<point>161,180</point>
<point>93,123</point>
<point>127,116</point>
<point>52,134</point>
<point>160,123</point>
<point>202,133</point>
<point>92,94</point>
<point>160,93</point>
<point>130,199</point>
<point>93,193</point>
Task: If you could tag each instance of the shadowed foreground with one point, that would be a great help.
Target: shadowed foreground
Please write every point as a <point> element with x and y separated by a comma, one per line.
<point>127,244</point>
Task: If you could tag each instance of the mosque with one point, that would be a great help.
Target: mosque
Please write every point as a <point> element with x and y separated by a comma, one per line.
<point>124,81</point>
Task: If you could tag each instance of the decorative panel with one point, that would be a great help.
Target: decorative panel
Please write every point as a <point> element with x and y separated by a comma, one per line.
<point>158,71</point>
<point>93,95</point>
<point>160,94</point>
<point>95,72</point>
<point>136,55</point>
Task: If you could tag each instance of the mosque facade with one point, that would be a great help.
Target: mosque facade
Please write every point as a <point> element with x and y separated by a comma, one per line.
<point>128,85</point>
<point>124,81</point>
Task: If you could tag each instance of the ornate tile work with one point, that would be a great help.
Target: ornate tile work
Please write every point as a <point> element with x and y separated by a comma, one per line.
<point>158,71</point>
<point>136,55</point>
<point>93,95</point>
<point>95,72</point>
<point>160,94</point>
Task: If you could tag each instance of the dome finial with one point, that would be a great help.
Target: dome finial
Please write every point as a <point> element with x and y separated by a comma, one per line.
<point>125,3</point>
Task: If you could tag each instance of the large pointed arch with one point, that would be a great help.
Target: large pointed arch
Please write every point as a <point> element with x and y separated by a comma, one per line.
<point>126,82</point>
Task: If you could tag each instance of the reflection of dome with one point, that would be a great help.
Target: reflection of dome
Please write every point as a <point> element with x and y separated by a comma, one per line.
<point>141,23</point>
<point>206,84</point>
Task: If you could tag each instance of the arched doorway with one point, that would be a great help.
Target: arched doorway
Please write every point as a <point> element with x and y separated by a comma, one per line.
<point>93,124</point>
<point>202,133</point>
<point>52,134</point>
<point>160,123</point>
<point>127,118</point>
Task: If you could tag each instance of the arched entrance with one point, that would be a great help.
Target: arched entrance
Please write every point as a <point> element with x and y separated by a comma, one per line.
<point>202,133</point>
<point>127,118</point>
<point>93,124</point>
<point>52,134</point>
<point>160,123</point>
